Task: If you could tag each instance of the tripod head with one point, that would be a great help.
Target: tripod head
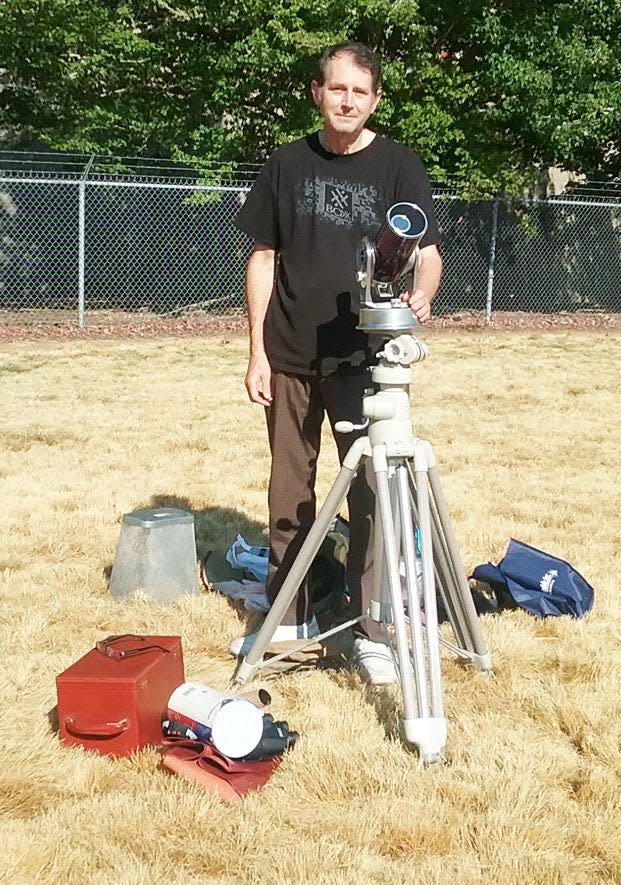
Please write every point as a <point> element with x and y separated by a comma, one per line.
<point>382,262</point>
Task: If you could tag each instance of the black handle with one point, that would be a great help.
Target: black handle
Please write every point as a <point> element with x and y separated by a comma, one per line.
<point>104,646</point>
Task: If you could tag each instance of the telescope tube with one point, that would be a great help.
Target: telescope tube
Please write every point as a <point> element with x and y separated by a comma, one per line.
<point>397,238</point>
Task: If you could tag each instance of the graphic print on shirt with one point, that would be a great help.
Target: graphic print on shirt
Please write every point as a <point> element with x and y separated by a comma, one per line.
<point>344,203</point>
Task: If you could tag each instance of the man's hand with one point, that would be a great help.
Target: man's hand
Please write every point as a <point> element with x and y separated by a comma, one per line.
<point>258,380</point>
<point>428,279</point>
<point>420,304</point>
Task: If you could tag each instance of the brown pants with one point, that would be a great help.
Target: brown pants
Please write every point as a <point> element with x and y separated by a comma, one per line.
<point>294,422</point>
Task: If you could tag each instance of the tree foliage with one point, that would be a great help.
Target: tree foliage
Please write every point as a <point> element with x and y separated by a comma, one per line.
<point>488,93</point>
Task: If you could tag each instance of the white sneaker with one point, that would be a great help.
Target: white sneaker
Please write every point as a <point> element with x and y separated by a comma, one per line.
<point>374,662</point>
<point>283,633</point>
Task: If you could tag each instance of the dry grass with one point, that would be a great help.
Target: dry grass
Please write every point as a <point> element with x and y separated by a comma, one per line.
<point>527,429</point>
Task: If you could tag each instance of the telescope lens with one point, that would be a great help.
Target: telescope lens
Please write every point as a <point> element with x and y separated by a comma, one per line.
<point>407,220</point>
<point>401,223</point>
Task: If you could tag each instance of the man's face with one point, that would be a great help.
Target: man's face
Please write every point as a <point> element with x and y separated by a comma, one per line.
<point>346,100</point>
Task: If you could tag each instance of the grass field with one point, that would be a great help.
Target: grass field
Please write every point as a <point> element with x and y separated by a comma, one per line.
<point>527,429</point>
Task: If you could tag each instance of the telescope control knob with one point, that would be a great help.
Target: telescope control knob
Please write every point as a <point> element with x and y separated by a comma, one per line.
<point>405,349</point>
<point>379,408</point>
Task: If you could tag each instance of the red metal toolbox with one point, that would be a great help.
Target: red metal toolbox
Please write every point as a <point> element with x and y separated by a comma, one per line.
<point>114,698</point>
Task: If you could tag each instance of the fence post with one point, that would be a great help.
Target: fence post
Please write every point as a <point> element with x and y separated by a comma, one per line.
<point>492,263</point>
<point>81,239</point>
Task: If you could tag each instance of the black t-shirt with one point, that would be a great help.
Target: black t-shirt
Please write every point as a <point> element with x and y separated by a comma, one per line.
<point>313,207</point>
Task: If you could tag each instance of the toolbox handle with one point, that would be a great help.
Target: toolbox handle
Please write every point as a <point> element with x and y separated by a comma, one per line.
<point>104,646</point>
<point>106,729</point>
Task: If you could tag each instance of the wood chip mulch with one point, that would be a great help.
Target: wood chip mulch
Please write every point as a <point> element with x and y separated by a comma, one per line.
<point>154,328</point>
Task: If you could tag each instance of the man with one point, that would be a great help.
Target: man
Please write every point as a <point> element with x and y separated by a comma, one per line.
<point>307,211</point>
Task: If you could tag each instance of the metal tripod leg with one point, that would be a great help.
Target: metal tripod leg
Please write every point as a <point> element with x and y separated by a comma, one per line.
<point>432,731</point>
<point>423,716</point>
<point>303,560</point>
<point>481,657</point>
<point>420,495</point>
<point>414,608</point>
<point>444,571</point>
<point>450,575</point>
<point>391,553</point>
<point>379,606</point>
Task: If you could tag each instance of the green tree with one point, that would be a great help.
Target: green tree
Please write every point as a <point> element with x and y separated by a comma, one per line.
<point>545,78</point>
<point>488,93</point>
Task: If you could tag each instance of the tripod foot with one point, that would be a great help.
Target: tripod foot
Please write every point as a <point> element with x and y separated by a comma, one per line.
<point>428,735</point>
<point>244,673</point>
<point>483,664</point>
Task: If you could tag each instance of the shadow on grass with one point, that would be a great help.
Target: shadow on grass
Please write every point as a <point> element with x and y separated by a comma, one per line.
<point>386,700</point>
<point>52,718</point>
<point>215,529</point>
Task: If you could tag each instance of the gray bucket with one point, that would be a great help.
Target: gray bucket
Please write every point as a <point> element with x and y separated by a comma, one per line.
<point>155,556</point>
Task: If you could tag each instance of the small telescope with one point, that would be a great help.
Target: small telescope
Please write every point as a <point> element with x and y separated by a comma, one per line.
<point>382,262</point>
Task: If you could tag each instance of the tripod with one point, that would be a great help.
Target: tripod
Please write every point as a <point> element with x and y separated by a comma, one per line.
<point>410,504</point>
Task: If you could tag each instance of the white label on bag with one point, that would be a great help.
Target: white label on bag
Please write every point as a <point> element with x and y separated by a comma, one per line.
<point>547,582</point>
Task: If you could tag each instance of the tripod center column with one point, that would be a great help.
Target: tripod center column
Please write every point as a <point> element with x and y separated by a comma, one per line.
<point>388,410</point>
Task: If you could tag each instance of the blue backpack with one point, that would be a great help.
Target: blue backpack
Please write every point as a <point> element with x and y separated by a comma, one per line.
<point>536,581</point>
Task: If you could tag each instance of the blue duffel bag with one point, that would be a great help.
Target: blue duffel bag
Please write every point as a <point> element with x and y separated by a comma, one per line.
<point>533,580</point>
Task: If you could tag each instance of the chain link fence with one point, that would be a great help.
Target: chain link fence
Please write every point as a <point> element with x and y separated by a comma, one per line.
<point>93,240</point>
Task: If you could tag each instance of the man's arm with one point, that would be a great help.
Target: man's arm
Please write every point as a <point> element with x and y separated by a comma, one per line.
<point>427,281</point>
<point>259,284</point>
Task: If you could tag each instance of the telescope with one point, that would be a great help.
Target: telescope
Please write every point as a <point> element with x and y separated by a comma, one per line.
<point>382,262</point>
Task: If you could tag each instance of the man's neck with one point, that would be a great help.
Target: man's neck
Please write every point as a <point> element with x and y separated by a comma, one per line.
<point>336,143</point>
